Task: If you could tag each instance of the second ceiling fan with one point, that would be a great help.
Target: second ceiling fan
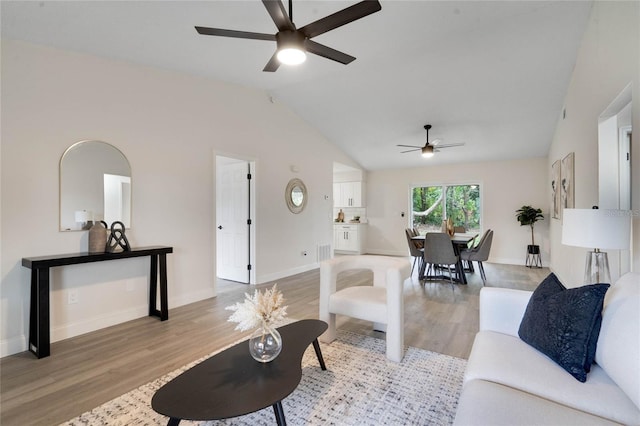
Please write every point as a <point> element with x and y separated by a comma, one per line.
<point>292,43</point>
<point>429,148</point>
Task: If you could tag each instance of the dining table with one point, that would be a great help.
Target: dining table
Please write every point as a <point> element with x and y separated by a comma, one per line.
<point>458,241</point>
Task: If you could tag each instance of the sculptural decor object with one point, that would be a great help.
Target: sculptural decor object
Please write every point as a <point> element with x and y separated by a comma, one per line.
<point>117,238</point>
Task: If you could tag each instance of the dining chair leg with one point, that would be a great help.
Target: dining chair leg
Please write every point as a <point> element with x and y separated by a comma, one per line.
<point>482,274</point>
<point>415,259</point>
<point>430,267</point>
<point>455,268</point>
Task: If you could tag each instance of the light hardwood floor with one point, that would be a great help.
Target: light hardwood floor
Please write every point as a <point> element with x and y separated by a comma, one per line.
<point>86,371</point>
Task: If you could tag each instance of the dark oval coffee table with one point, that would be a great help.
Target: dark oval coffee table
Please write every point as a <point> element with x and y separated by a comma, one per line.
<point>231,383</point>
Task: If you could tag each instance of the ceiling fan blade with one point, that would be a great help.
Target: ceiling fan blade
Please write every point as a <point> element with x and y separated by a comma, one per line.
<point>410,146</point>
<point>451,145</point>
<point>235,34</point>
<point>273,63</point>
<point>411,150</point>
<point>338,19</point>
<point>327,52</point>
<point>279,15</point>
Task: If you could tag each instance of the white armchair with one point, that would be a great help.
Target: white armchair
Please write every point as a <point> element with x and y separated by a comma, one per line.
<point>381,303</point>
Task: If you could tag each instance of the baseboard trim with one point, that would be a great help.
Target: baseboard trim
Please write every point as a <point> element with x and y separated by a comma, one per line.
<point>287,273</point>
<point>19,343</point>
<point>13,346</point>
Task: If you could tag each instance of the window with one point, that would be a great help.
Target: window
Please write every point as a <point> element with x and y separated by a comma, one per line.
<point>430,205</point>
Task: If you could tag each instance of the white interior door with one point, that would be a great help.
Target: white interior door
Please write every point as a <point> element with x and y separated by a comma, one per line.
<point>232,216</point>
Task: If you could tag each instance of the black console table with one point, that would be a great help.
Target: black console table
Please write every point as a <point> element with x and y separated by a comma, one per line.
<point>39,327</point>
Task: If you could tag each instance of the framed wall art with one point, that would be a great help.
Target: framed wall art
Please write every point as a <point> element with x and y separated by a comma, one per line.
<point>555,190</point>
<point>567,190</point>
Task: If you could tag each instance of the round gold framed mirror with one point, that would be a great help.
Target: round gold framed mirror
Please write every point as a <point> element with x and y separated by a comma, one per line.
<point>295,196</point>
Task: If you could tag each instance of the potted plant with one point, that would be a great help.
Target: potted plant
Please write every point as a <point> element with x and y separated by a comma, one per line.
<point>527,215</point>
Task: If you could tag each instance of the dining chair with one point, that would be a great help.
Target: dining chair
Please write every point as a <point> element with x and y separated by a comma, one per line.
<point>473,243</point>
<point>438,252</point>
<point>480,253</point>
<point>415,233</point>
<point>415,249</point>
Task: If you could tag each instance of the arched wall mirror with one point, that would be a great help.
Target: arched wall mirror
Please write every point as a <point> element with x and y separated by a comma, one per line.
<point>295,195</point>
<point>95,184</point>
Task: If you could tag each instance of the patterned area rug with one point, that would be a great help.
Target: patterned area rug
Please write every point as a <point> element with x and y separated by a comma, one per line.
<point>360,387</point>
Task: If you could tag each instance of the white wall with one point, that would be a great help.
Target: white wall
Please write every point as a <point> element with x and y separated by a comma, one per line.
<point>608,60</point>
<point>505,187</point>
<point>170,126</point>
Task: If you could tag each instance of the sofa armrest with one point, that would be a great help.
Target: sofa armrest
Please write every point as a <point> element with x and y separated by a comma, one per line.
<point>502,309</point>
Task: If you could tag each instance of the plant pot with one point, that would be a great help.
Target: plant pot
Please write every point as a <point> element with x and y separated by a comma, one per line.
<point>533,249</point>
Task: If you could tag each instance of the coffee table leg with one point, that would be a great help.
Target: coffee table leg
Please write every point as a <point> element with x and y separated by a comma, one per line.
<point>316,346</point>
<point>279,412</point>
<point>173,422</point>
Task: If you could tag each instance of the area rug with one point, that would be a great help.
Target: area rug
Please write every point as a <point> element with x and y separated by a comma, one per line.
<point>360,387</point>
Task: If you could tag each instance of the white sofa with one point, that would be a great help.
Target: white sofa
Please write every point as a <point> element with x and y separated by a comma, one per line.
<point>508,382</point>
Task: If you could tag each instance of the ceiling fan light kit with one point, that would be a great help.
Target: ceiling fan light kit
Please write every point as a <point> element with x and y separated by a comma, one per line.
<point>292,43</point>
<point>291,48</point>
<point>429,149</point>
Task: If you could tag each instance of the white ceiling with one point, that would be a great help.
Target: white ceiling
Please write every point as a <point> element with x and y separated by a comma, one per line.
<point>490,74</point>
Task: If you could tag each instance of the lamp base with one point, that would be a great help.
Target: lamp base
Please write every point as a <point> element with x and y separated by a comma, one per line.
<point>596,268</point>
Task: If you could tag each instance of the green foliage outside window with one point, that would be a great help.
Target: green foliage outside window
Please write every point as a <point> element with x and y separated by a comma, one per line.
<point>433,204</point>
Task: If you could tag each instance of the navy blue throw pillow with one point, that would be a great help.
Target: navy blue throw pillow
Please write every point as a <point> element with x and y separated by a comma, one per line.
<point>564,324</point>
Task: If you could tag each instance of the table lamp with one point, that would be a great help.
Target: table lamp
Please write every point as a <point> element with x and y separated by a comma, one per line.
<point>597,229</point>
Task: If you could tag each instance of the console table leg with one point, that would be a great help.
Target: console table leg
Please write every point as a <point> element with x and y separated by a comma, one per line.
<point>316,347</point>
<point>153,285</point>
<point>163,313</point>
<point>279,412</point>
<point>39,334</point>
<point>164,304</point>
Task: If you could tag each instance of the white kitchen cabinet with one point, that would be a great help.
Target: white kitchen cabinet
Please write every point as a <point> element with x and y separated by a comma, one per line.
<point>349,238</point>
<point>348,194</point>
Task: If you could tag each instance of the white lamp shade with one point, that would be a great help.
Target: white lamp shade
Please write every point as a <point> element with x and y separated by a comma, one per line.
<point>595,228</point>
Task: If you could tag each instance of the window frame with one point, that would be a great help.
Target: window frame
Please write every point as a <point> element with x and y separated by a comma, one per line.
<point>444,186</point>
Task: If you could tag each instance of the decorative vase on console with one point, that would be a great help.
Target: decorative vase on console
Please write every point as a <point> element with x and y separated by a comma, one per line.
<point>262,312</point>
<point>98,235</point>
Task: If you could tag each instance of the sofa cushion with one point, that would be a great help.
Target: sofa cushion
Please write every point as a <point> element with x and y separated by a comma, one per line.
<point>487,403</point>
<point>564,323</point>
<point>507,360</point>
<point>618,351</point>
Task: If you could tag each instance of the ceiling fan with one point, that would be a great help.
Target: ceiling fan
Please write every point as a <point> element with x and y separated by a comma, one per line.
<point>429,148</point>
<point>292,43</point>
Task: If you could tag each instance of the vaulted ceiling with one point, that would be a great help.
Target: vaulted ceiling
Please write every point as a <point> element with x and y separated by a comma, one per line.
<point>490,74</point>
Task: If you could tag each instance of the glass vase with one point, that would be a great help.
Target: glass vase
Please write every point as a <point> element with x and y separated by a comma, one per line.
<point>265,343</point>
